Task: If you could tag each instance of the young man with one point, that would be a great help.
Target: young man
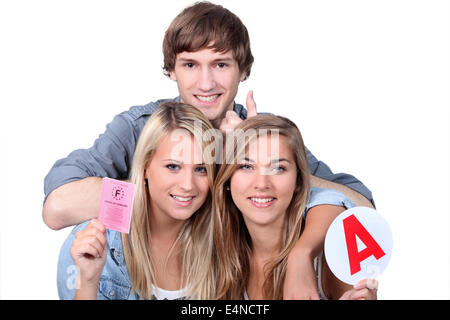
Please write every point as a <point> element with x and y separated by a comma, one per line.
<point>207,52</point>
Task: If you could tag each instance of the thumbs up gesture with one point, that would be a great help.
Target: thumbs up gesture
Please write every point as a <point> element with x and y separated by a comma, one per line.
<point>232,120</point>
<point>251,105</point>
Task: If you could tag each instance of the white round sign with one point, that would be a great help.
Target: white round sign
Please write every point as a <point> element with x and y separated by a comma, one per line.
<point>358,245</point>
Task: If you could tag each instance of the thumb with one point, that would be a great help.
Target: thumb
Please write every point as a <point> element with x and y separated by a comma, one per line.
<point>251,105</point>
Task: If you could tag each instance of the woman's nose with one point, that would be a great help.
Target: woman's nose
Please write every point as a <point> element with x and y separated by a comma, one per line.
<point>262,179</point>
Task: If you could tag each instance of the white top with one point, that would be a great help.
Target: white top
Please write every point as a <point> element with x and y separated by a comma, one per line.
<point>162,294</point>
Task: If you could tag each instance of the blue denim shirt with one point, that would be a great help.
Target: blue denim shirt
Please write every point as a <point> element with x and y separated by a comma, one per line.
<point>112,154</point>
<point>115,281</point>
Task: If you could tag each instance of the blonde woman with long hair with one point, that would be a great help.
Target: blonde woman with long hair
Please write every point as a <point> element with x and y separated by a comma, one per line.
<point>261,194</point>
<point>168,253</point>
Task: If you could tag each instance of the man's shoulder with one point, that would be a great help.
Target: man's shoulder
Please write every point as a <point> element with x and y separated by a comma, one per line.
<point>138,111</point>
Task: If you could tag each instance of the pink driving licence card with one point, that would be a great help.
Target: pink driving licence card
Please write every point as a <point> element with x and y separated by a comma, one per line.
<point>116,204</point>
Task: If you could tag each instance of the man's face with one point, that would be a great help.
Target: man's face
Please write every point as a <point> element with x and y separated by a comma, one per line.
<point>208,80</point>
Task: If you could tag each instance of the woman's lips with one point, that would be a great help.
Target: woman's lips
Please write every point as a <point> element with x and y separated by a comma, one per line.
<point>183,201</point>
<point>262,202</point>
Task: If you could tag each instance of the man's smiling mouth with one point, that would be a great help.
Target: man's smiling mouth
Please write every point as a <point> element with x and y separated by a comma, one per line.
<point>207,98</point>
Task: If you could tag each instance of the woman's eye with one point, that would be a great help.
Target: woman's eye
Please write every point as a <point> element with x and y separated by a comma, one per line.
<point>245,167</point>
<point>173,167</point>
<point>278,169</point>
<point>201,170</point>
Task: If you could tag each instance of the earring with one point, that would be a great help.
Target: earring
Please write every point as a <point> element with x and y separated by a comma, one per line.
<point>228,188</point>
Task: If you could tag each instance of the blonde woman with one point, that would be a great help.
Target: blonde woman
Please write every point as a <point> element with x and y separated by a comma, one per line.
<point>168,251</point>
<point>260,195</point>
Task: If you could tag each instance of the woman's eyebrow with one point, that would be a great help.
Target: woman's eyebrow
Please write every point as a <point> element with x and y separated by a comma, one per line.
<point>280,160</point>
<point>173,160</point>
<point>272,161</point>
<point>181,162</point>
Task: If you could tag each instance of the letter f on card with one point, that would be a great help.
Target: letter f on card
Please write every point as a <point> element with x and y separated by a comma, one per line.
<point>353,228</point>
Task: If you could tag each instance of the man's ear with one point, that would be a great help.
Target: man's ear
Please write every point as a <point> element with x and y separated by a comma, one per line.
<point>243,76</point>
<point>172,75</point>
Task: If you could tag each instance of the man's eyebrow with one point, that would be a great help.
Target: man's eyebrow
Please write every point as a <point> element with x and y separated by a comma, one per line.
<point>224,59</point>
<point>185,60</point>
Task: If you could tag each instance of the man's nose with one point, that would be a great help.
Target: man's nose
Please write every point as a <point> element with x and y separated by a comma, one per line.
<point>206,81</point>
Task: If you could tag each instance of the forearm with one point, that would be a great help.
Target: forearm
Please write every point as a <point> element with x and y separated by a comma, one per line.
<point>300,282</point>
<point>72,203</point>
<point>318,219</point>
<point>356,197</point>
<point>86,292</point>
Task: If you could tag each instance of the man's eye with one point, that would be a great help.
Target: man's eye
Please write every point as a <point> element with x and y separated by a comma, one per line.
<point>189,65</point>
<point>221,65</point>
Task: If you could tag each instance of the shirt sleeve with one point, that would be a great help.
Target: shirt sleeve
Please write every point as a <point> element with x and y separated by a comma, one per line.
<point>110,156</point>
<point>319,196</point>
<point>321,170</point>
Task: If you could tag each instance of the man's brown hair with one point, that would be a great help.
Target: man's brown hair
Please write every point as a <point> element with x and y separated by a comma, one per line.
<point>207,25</point>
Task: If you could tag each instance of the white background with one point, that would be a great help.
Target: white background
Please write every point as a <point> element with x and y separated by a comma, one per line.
<point>366,81</point>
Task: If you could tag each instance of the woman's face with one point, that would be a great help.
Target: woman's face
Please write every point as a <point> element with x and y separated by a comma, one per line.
<point>262,187</point>
<point>178,183</point>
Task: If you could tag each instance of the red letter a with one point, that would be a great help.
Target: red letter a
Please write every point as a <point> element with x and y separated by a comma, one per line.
<point>353,227</point>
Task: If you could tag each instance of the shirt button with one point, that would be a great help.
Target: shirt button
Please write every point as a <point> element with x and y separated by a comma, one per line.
<point>118,254</point>
<point>111,293</point>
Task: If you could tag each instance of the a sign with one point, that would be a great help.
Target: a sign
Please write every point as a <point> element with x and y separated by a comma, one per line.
<point>116,204</point>
<point>358,245</point>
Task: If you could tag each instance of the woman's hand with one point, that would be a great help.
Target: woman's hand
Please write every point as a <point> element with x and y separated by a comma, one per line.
<point>89,254</point>
<point>364,290</point>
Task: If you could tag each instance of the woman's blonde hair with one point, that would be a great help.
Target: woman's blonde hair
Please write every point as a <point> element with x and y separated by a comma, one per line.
<point>195,237</point>
<point>232,240</point>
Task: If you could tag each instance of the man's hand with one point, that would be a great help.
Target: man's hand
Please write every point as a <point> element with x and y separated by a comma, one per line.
<point>232,120</point>
<point>251,105</point>
<point>300,282</point>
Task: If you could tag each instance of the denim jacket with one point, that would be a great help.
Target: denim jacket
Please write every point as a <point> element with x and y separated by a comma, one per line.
<point>115,281</point>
